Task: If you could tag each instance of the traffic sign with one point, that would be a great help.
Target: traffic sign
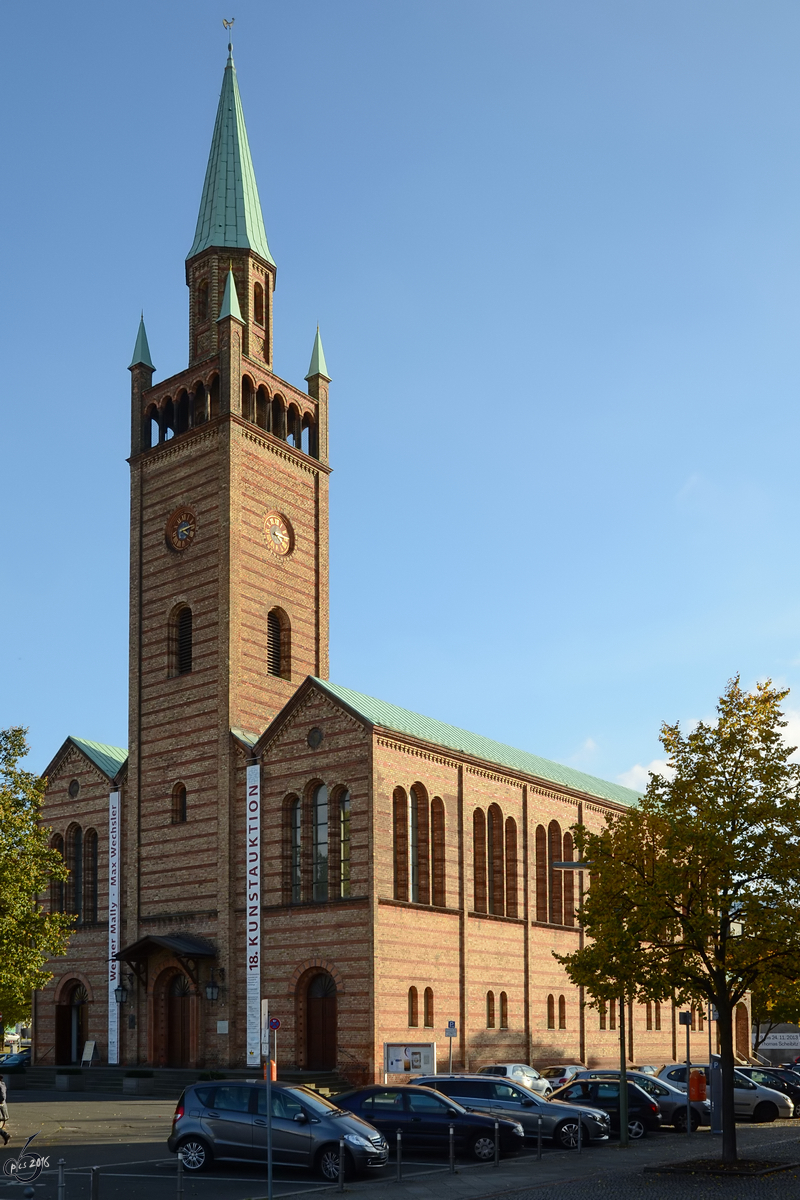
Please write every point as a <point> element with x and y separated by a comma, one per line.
<point>274,1023</point>
<point>451,1030</point>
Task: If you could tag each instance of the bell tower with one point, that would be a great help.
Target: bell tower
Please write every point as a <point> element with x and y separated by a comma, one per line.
<point>229,527</point>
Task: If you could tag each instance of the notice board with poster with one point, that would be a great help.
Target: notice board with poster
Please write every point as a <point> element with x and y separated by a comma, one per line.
<point>409,1058</point>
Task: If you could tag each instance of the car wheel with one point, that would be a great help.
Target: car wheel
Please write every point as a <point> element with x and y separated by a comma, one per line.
<point>197,1154</point>
<point>636,1129</point>
<point>679,1122</point>
<point>483,1147</point>
<point>566,1134</point>
<point>328,1163</point>
<point>765,1113</point>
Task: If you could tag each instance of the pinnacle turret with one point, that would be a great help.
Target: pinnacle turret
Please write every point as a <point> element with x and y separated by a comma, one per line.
<point>141,351</point>
<point>318,366</point>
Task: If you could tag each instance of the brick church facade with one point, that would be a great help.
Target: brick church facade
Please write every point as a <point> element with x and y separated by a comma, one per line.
<point>267,833</point>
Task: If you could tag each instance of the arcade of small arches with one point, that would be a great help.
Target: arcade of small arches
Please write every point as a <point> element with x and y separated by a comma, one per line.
<point>427,1008</point>
<point>170,416</point>
<point>78,895</point>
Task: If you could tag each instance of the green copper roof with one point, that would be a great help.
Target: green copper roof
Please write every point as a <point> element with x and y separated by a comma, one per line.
<point>318,366</point>
<point>230,300</point>
<point>230,211</point>
<point>108,758</point>
<point>141,351</point>
<point>389,716</point>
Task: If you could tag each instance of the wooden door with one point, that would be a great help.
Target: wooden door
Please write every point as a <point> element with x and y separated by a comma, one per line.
<point>63,1035</point>
<point>178,1022</point>
<point>321,1023</point>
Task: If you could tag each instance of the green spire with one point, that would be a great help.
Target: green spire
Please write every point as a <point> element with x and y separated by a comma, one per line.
<point>230,300</point>
<point>318,366</point>
<point>230,211</point>
<point>141,351</point>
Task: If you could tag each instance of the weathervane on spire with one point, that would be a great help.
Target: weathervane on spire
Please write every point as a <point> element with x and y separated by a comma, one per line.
<point>229,26</point>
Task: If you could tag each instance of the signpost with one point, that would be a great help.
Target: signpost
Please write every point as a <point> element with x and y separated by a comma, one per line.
<point>450,1033</point>
<point>274,1024</point>
<point>265,1026</point>
<point>685,1018</point>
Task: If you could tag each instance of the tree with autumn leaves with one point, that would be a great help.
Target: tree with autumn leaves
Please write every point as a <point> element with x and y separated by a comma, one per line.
<point>28,934</point>
<point>695,892</point>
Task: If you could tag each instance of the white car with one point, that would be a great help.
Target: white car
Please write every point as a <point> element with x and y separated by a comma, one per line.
<point>750,1099</point>
<point>522,1073</point>
<point>559,1076</point>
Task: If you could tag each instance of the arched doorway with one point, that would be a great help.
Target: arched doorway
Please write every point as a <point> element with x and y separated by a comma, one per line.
<point>178,1021</point>
<point>321,1022</point>
<point>72,1025</point>
<point>743,1047</point>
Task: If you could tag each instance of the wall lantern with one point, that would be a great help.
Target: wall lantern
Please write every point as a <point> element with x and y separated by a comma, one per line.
<point>121,994</point>
<point>212,988</point>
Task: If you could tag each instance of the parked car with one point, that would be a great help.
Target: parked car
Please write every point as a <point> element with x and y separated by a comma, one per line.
<point>507,1098</point>
<point>228,1120</point>
<point>522,1073</point>
<point>558,1076</point>
<point>22,1058</point>
<point>750,1099</point>
<point>650,1070</point>
<point>671,1101</point>
<point>781,1081</point>
<point>424,1116</point>
<point>643,1113</point>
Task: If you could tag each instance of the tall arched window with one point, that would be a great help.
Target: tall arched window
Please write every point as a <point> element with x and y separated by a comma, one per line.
<point>296,849</point>
<point>400,822</point>
<point>413,846</point>
<point>202,301</point>
<point>180,640</point>
<point>490,1010</point>
<point>418,834</point>
<point>293,427</point>
<point>182,412</point>
<point>569,882</point>
<point>74,860</point>
<point>554,855</point>
<point>603,1013</point>
<point>167,420</point>
<point>541,873</point>
<point>551,1012</point>
<point>178,804</point>
<point>279,644</point>
<point>438,880</point>
<point>278,418</point>
<point>90,876</point>
<point>151,431</point>
<point>428,1008</point>
<point>494,861</point>
<point>319,808</point>
<point>658,1015</point>
<point>248,399</point>
<point>344,844</point>
<point>258,304</point>
<point>413,1007</point>
<point>511,867</point>
<point>648,1013</point>
<point>57,885</point>
<point>612,1014</point>
<point>479,858</point>
<point>262,407</point>
<point>503,1010</point>
<point>562,1013</point>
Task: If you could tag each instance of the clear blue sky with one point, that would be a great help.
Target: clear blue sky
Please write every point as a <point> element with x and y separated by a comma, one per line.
<point>554,250</point>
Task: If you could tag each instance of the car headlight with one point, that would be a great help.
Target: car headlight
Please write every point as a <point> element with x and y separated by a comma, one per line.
<point>518,1130</point>
<point>355,1139</point>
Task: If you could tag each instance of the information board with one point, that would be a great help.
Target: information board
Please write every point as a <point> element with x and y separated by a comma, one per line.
<point>409,1058</point>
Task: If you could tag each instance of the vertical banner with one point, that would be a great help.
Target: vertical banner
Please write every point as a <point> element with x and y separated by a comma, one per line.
<point>253,910</point>
<point>113,927</point>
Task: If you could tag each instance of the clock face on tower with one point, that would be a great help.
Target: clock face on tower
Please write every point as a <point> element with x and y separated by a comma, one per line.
<point>278,532</point>
<point>181,528</point>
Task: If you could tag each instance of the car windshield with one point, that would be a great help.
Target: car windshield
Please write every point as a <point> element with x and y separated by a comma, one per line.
<point>315,1103</point>
<point>553,1072</point>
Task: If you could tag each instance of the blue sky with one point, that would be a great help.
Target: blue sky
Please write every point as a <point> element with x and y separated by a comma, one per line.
<point>554,250</point>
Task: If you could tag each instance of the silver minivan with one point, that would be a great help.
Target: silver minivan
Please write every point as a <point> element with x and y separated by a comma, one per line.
<point>750,1099</point>
<point>520,1073</point>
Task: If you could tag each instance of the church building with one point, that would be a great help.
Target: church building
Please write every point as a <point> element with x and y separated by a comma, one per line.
<point>374,873</point>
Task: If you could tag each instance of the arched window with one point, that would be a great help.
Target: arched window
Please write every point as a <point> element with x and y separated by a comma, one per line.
<point>214,401</point>
<point>511,867</point>
<point>612,1015</point>
<point>293,429</point>
<point>200,405</point>
<point>648,1014</point>
<point>178,804</point>
<point>167,420</point>
<point>494,860</point>
<point>694,1020</point>
<point>541,873</point>
<point>428,1008</point>
<point>418,830</point>
<point>279,644</point>
<point>438,881</point>
<point>296,849</point>
<point>413,1007</point>
<point>569,882</point>
<point>603,1012</point>
<point>57,885</point>
<point>344,844</point>
<point>182,413</point>
<point>151,432</point>
<point>262,407</point>
<point>503,1010</point>
<point>180,649</point>
<point>490,1010</point>
<point>700,1019</point>
<point>74,861</point>
<point>310,436</point>
<point>248,399</point>
<point>319,809</point>
<point>554,853</point>
<point>202,301</point>
<point>400,822</point>
<point>90,877</point>
<point>278,418</point>
<point>258,304</point>
<point>658,1015</point>
<point>479,858</point>
<point>562,1013</point>
<point>551,1013</point>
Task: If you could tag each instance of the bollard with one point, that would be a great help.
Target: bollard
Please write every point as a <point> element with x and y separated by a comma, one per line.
<point>95,1188</point>
<point>180,1173</point>
<point>341,1164</point>
<point>399,1155</point>
<point>496,1142</point>
<point>452,1146</point>
<point>539,1138</point>
<point>62,1183</point>
<point>580,1135</point>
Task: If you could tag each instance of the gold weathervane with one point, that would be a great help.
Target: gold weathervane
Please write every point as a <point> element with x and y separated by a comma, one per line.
<point>228,24</point>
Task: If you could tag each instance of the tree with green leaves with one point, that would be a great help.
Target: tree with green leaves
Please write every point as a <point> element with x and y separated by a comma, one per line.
<point>774,1001</point>
<point>28,934</point>
<point>695,892</point>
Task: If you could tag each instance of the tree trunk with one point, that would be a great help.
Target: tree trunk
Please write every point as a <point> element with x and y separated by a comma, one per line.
<point>725,1030</point>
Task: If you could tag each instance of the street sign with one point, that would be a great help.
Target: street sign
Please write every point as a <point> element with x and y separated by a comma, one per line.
<point>451,1029</point>
<point>265,1028</point>
<point>274,1023</point>
<point>684,1018</point>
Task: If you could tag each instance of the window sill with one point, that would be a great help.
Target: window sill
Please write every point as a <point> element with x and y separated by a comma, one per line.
<point>418,906</point>
<point>482,916</point>
<point>553,925</point>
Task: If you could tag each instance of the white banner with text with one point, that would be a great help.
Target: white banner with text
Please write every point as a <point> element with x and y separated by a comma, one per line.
<point>113,927</point>
<point>253,910</point>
